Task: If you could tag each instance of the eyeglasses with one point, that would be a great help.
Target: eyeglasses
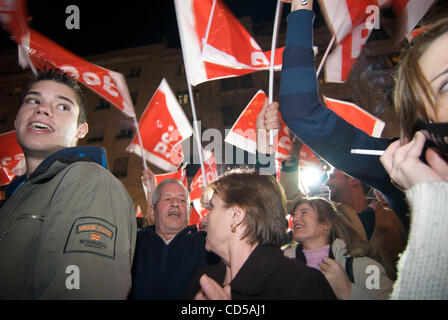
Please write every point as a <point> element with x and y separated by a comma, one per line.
<point>436,134</point>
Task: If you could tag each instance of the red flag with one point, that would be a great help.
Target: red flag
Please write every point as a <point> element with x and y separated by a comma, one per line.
<point>346,19</point>
<point>138,212</point>
<point>14,17</point>
<point>211,174</point>
<point>178,175</point>
<point>108,84</point>
<point>356,116</point>
<point>12,161</point>
<point>195,217</point>
<point>163,126</point>
<point>197,184</point>
<point>409,13</point>
<point>228,45</point>
<point>227,42</point>
<point>351,22</point>
<point>243,133</point>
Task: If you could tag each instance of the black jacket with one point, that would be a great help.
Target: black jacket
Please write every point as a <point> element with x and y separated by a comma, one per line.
<point>268,274</point>
<point>163,271</point>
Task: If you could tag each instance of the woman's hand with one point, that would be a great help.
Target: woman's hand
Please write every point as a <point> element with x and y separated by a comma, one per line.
<point>211,290</point>
<point>297,4</point>
<point>405,168</point>
<point>337,278</point>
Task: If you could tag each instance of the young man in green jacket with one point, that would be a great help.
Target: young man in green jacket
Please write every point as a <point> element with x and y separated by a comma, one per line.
<point>68,227</point>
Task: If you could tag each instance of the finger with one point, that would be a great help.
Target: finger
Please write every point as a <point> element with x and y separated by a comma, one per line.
<point>265,106</point>
<point>401,153</point>
<point>228,291</point>
<point>273,124</point>
<point>388,156</point>
<point>416,148</point>
<point>211,289</point>
<point>437,163</point>
<point>271,107</point>
<point>200,296</point>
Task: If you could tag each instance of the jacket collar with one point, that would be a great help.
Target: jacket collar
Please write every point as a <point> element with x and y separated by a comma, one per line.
<point>252,276</point>
<point>152,231</point>
<point>56,162</point>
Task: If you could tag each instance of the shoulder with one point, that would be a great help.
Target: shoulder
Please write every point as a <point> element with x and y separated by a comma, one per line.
<point>90,174</point>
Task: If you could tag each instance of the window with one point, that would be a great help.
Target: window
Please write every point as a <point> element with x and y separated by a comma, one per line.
<point>4,115</point>
<point>126,130</point>
<point>134,97</point>
<point>120,167</point>
<point>102,105</point>
<point>229,115</point>
<point>243,82</point>
<point>180,70</point>
<point>184,98</point>
<point>134,72</point>
<point>96,133</point>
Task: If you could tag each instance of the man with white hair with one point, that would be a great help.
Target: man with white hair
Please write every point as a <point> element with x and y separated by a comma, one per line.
<point>170,252</point>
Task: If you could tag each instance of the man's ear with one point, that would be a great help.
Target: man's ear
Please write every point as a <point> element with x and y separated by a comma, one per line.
<point>83,129</point>
<point>238,215</point>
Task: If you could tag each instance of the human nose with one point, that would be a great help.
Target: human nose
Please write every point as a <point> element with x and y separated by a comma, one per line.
<point>43,109</point>
<point>175,202</point>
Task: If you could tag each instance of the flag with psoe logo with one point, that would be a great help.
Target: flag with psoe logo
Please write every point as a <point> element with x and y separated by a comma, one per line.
<point>214,43</point>
<point>243,133</point>
<point>37,51</point>
<point>44,53</point>
<point>178,175</point>
<point>14,18</point>
<point>197,184</point>
<point>12,161</point>
<point>163,126</point>
<point>352,22</point>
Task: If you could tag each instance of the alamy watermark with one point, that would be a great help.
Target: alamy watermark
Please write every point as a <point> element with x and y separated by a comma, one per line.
<point>73,21</point>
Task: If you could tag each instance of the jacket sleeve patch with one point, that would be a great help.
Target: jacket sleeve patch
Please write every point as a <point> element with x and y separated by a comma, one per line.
<point>92,235</point>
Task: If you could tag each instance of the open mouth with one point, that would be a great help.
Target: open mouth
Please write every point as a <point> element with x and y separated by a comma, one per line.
<point>174,213</point>
<point>40,126</point>
<point>298,226</point>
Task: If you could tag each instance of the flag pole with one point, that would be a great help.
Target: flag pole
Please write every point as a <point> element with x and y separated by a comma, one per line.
<point>210,18</point>
<point>278,14</point>
<point>325,56</point>
<point>193,109</point>
<point>142,150</point>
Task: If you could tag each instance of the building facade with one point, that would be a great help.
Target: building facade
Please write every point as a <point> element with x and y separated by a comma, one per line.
<point>218,103</point>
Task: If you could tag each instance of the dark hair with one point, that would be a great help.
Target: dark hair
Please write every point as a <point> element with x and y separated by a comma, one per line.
<point>412,89</point>
<point>263,199</point>
<point>59,76</point>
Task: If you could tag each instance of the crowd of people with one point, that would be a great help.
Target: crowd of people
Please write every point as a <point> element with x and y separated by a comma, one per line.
<point>68,228</point>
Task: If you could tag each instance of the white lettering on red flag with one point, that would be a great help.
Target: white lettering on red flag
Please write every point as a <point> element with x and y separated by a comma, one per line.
<point>12,161</point>
<point>108,84</point>
<point>192,18</point>
<point>163,126</point>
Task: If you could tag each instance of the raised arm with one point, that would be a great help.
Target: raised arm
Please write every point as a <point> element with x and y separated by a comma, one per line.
<point>327,134</point>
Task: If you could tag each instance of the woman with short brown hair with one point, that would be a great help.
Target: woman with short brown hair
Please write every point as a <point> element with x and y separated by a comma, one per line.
<point>246,225</point>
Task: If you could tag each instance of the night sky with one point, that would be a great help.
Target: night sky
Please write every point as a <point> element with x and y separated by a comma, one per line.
<point>109,25</point>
